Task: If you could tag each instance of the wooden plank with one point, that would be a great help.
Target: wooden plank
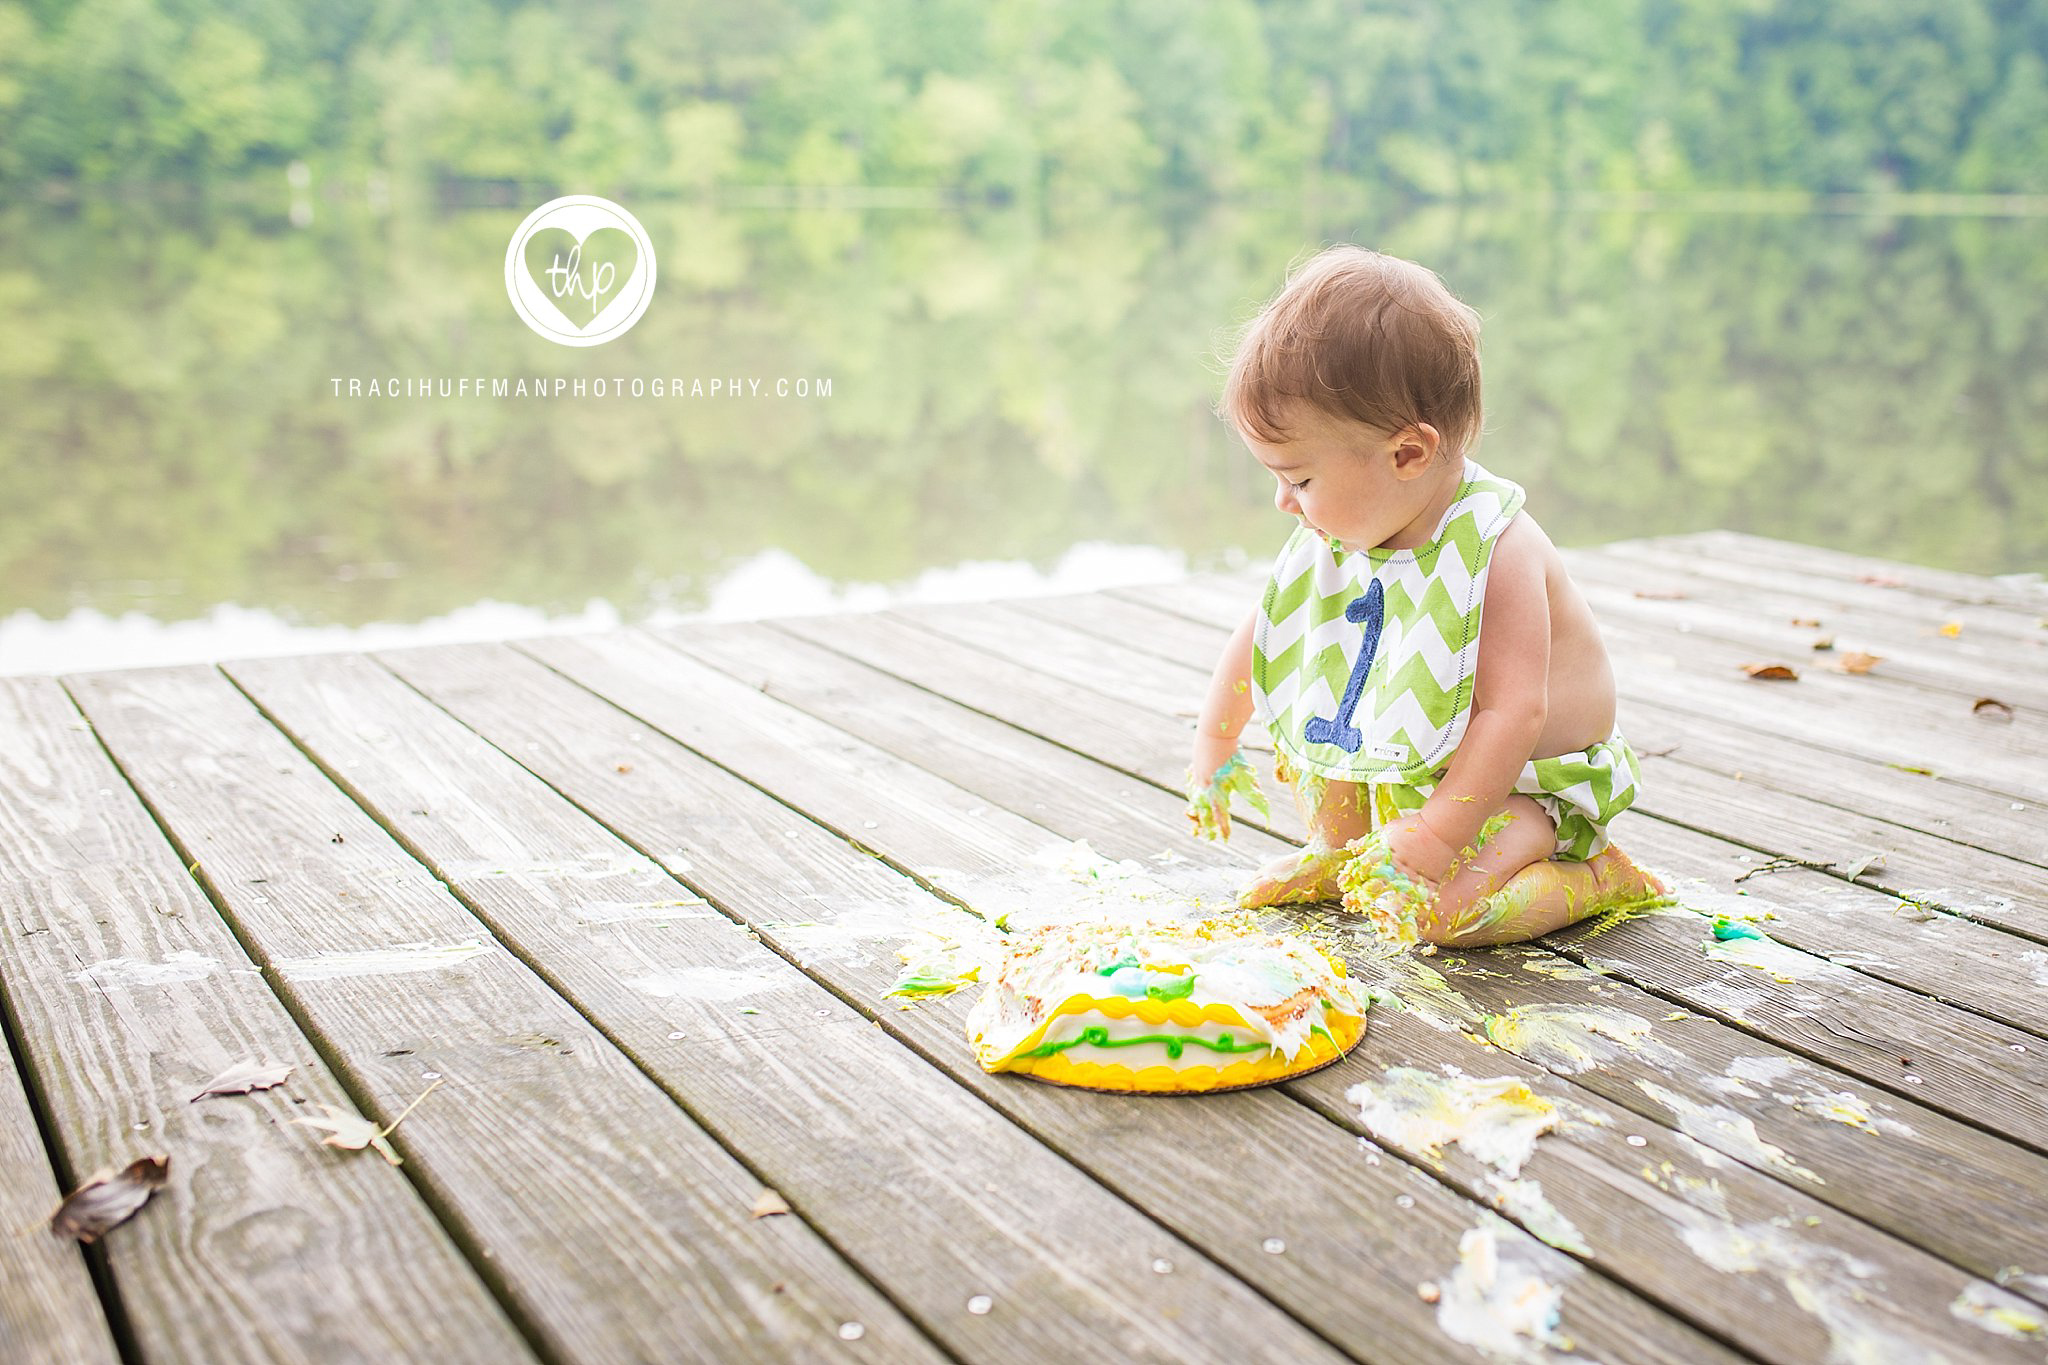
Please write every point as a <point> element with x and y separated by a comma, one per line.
<point>1896,1184</point>
<point>1113,732</point>
<point>1870,717</point>
<point>1896,722</point>
<point>1140,628</point>
<point>1596,1186</point>
<point>1779,763</point>
<point>2027,600</point>
<point>1949,1188</point>
<point>1944,957</point>
<point>1923,868</point>
<point>128,994</point>
<point>995,627</point>
<point>813,1099</point>
<point>1168,1158</point>
<point>612,1224</point>
<point>50,1310</point>
<point>1786,619</point>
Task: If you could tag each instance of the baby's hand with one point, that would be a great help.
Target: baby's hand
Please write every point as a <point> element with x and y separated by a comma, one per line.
<point>1417,852</point>
<point>1383,888</point>
<point>1209,802</point>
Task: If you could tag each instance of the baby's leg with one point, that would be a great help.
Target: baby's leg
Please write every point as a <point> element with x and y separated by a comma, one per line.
<point>1311,873</point>
<point>1511,890</point>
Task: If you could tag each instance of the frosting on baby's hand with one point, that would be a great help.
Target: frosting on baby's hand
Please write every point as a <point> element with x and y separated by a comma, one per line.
<point>1209,803</point>
<point>1374,888</point>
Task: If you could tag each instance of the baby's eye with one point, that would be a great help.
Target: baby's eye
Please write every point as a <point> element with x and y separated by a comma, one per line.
<point>1297,487</point>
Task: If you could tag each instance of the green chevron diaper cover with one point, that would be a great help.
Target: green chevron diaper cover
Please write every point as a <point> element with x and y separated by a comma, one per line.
<point>1580,792</point>
<point>1363,660</point>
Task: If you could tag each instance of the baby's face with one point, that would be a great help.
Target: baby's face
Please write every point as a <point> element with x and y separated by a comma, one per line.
<point>1347,480</point>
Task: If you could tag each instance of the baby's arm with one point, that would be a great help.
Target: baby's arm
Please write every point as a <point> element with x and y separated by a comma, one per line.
<point>1225,710</point>
<point>1510,692</point>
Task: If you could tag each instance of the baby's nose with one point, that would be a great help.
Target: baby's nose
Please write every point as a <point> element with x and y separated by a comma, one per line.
<point>1283,498</point>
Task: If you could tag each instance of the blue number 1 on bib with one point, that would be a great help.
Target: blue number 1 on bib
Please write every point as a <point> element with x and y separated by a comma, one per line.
<point>1370,609</point>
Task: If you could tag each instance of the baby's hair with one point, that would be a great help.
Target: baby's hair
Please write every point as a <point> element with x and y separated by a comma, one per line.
<point>1362,336</point>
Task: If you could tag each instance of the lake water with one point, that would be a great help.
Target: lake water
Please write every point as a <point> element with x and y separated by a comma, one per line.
<point>1015,405</point>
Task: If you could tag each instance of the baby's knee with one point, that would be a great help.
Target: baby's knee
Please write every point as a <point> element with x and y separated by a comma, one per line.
<point>1344,813</point>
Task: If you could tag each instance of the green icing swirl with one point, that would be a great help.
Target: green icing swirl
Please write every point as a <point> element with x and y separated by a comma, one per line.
<point>1176,1043</point>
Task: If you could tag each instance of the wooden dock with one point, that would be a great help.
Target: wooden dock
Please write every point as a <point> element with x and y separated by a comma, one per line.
<point>629,903</point>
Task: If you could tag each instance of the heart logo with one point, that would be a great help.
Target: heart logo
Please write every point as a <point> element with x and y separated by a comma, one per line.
<point>580,278</point>
<point>579,270</point>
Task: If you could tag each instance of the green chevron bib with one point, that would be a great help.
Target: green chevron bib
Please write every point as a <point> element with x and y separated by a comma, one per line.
<point>1363,660</point>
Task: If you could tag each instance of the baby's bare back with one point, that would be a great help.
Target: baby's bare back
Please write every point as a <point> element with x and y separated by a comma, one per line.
<point>1580,680</point>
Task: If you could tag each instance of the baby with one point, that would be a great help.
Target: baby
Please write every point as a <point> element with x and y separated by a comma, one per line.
<point>1483,765</point>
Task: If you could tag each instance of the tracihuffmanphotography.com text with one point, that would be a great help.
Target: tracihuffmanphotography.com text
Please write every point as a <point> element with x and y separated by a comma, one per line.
<point>543,386</point>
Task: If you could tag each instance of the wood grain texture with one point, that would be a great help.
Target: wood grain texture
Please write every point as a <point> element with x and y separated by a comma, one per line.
<point>128,994</point>
<point>1353,1254</point>
<point>2023,602</point>
<point>50,1310</point>
<point>1787,621</point>
<point>1912,1173</point>
<point>815,1098</point>
<point>614,1225</point>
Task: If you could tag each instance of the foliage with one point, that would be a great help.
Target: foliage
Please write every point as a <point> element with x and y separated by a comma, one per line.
<point>1057,98</point>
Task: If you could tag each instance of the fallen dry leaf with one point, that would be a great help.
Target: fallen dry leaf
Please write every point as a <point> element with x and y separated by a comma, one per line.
<point>1770,671</point>
<point>354,1132</point>
<point>1992,707</point>
<point>1824,642</point>
<point>1805,621</point>
<point>625,767</point>
<point>109,1198</point>
<point>769,1204</point>
<point>245,1076</point>
<point>1651,596</point>
<point>1952,629</point>
<point>1856,661</point>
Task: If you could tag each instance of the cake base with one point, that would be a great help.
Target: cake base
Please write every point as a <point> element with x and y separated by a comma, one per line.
<point>1344,1032</point>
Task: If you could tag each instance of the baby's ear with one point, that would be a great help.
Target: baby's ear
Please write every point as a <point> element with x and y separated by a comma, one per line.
<point>1416,449</point>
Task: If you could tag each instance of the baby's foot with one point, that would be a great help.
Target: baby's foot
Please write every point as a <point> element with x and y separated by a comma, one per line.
<point>1296,878</point>
<point>1617,877</point>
